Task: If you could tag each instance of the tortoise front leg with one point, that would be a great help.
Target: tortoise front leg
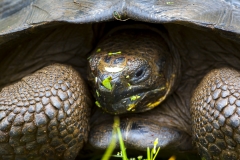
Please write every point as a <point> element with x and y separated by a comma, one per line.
<point>44,115</point>
<point>215,108</point>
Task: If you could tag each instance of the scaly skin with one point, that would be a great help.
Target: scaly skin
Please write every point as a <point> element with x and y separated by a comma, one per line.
<point>44,115</point>
<point>215,115</point>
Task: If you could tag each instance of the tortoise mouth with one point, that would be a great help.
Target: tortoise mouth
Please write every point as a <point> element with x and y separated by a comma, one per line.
<point>124,99</point>
<point>134,103</point>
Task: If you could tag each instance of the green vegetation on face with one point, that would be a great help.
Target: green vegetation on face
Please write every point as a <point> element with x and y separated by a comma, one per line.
<point>114,53</point>
<point>98,50</point>
<point>107,83</point>
<point>98,104</point>
<point>169,3</point>
<point>129,85</point>
<point>133,98</point>
<point>98,94</point>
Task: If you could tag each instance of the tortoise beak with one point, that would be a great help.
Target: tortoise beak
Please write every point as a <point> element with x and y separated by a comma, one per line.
<point>121,98</point>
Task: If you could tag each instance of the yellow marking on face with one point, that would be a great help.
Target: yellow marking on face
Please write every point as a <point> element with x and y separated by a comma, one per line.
<point>166,87</point>
<point>172,158</point>
<point>151,105</point>
<point>154,104</point>
<point>131,106</point>
<point>162,88</point>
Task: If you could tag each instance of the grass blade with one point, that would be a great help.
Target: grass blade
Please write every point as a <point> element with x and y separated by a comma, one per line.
<point>112,145</point>
<point>148,154</point>
<point>124,154</point>
<point>156,153</point>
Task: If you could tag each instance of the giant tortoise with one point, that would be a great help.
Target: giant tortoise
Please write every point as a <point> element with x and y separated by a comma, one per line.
<point>168,68</point>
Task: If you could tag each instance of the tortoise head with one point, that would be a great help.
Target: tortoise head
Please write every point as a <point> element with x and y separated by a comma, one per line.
<point>131,71</point>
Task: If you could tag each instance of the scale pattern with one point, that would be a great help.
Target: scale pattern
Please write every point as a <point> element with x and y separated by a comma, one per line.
<point>215,108</point>
<point>45,115</point>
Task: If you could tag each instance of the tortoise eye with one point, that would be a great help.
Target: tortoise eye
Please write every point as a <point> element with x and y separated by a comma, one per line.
<point>139,72</point>
<point>140,75</point>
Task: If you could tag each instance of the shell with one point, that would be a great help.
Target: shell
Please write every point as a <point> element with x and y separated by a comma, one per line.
<point>18,15</point>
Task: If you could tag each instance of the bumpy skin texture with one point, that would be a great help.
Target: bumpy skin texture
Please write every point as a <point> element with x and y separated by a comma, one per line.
<point>44,115</point>
<point>215,114</point>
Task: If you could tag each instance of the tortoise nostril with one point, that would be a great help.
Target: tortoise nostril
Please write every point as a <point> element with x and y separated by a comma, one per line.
<point>107,59</point>
<point>118,60</point>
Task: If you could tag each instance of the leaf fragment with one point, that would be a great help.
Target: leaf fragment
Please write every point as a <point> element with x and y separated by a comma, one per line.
<point>117,15</point>
<point>98,94</point>
<point>98,104</point>
<point>114,53</point>
<point>169,3</point>
<point>107,83</point>
<point>133,98</point>
<point>98,50</point>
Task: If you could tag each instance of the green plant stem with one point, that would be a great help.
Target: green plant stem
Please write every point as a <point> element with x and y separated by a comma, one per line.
<point>124,154</point>
<point>112,145</point>
<point>148,154</point>
<point>151,154</point>
<point>156,153</point>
